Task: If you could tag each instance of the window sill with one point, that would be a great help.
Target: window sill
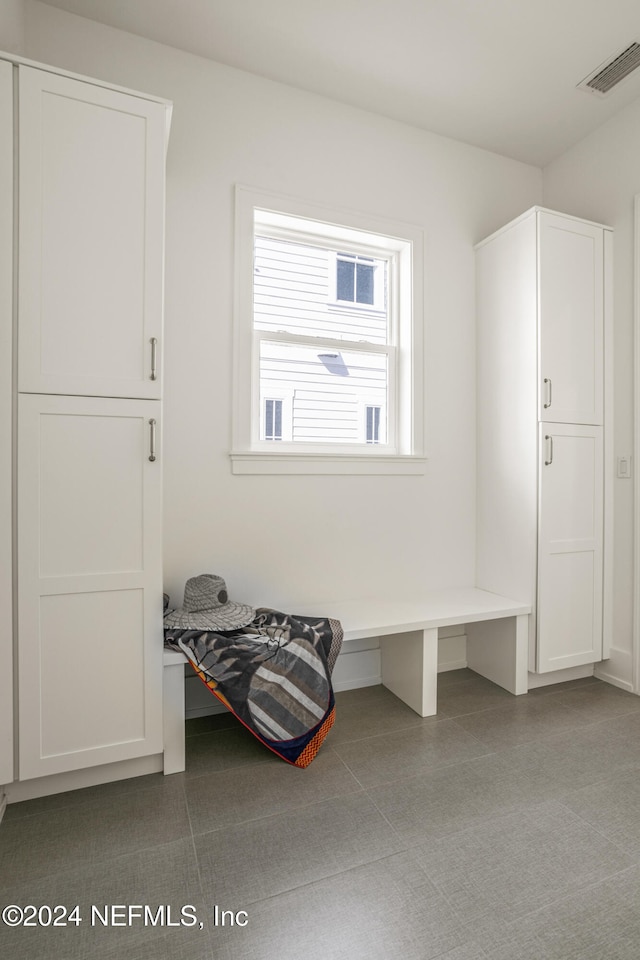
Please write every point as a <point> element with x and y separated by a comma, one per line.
<point>350,306</point>
<point>327,464</point>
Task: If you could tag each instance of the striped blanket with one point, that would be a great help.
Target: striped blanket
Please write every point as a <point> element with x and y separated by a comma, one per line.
<point>274,675</point>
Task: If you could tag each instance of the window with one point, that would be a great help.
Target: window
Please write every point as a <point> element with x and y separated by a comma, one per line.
<point>358,282</point>
<point>273,419</point>
<point>354,278</point>
<point>372,426</point>
<point>326,316</point>
<point>275,415</point>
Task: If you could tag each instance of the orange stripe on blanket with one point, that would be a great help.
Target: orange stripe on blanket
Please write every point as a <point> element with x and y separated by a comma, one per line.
<point>314,745</point>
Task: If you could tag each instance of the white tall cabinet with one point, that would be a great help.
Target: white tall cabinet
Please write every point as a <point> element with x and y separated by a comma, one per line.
<point>88,269</point>
<point>544,320</point>
<point>91,238</point>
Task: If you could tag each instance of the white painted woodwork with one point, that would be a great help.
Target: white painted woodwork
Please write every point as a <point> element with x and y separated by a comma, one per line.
<point>86,278</point>
<point>21,790</point>
<point>507,531</point>
<point>6,336</point>
<point>570,546</point>
<point>89,583</point>
<point>571,307</point>
<point>409,665</point>
<point>536,320</point>
<point>498,650</point>
<point>375,617</point>
<point>173,718</point>
<point>408,634</point>
<point>608,446</point>
<point>91,202</point>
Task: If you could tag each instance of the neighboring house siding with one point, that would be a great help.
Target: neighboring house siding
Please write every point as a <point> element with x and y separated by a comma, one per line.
<point>328,389</point>
<point>290,286</point>
<point>315,414</point>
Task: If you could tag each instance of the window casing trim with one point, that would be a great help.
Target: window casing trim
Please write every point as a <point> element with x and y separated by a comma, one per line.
<point>249,454</point>
<point>320,464</point>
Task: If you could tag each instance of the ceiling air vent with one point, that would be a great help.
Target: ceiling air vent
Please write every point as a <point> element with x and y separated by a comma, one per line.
<point>608,74</point>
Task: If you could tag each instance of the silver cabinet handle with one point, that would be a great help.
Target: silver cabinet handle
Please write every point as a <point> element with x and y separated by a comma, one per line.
<point>548,462</point>
<point>549,386</point>
<point>154,351</point>
<point>152,440</point>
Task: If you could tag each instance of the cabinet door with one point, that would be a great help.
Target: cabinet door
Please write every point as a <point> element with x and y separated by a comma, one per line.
<point>89,583</point>
<point>91,204</point>
<point>6,327</point>
<point>570,322</point>
<point>570,546</point>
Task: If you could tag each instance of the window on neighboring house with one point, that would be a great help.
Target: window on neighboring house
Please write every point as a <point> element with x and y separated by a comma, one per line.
<point>326,312</point>
<point>358,282</point>
<point>354,278</point>
<point>273,419</point>
<point>372,426</point>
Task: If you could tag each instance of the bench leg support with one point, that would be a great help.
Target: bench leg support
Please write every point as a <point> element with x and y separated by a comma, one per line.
<point>173,718</point>
<point>409,664</point>
<point>498,650</point>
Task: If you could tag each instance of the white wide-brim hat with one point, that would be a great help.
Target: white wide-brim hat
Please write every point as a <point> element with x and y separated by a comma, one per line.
<point>206,606</point>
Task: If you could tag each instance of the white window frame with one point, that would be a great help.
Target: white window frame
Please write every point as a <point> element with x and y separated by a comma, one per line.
<point>405,455</point>
<point>378,304</point>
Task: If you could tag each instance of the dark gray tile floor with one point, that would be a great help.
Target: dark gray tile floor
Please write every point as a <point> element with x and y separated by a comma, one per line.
<point>503,828</point>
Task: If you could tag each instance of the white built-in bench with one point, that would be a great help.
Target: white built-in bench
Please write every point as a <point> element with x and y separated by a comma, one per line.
<point>497,648</point>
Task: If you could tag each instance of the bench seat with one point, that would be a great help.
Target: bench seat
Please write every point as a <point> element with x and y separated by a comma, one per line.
<point>497,648</point>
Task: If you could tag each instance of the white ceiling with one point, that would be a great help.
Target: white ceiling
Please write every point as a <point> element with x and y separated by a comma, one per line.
<point>500,74</point>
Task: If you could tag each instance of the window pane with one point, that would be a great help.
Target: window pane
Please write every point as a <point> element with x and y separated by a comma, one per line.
<point>273,420</point>
<point>345,282</point>
<point>328,387</point>
<point>268,419</point>
<point>295,286</point>
<point>364,283</point>
<point>373,425</point>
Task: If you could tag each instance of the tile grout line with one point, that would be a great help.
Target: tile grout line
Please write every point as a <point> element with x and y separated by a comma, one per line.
<point>563,899</point>
<point>280,813</point>
<point>328,876</point>
<point>594,829</point>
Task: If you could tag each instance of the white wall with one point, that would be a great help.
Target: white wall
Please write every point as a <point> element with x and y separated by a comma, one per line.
<point>12,26</point>
<point>598,179</point>
<point>276,538</point>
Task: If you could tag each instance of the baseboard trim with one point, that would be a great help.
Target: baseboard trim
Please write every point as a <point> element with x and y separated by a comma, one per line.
<point>452,665</point>
<point>216,707</point>
<point>559,676</point>
<point>77,779</point>
<point>614,681</point>
<point>356,684</point>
